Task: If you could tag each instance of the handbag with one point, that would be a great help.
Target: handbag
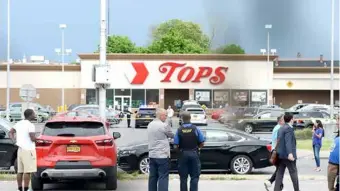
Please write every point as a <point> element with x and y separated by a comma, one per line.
<point>274,155</point>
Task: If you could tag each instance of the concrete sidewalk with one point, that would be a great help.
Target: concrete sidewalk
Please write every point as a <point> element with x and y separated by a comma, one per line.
<point>309,154</point>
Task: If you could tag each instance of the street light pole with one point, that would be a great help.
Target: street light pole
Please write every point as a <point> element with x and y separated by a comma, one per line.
<point>62,27</point>
<point>8,95</point>
<point>268,26</point>
<point>332,61</point>
<point>102,56</point>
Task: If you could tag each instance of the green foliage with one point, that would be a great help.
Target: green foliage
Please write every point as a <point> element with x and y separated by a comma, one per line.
<point>230,49</point>
<point>120,44</point>
<point>176,36</point>
<point>304,134</point>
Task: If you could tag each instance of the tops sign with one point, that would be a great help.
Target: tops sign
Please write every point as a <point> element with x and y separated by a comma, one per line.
<point>189,74</point>
<point>184,73</point>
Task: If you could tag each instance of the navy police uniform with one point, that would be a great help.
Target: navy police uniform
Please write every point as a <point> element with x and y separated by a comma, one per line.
<point>188,138</point>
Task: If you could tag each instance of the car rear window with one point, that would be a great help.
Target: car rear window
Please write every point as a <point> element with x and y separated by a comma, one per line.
<point>74,129</point>
<point>195,111</point>
<point>147,110</point>
<point>191,106</point>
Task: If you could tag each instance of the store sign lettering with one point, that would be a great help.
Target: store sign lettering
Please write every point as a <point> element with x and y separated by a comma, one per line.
<point>189,74</point>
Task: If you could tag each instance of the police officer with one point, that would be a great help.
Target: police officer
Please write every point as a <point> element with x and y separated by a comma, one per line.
<point>128,115</point>
<point>188,140</point>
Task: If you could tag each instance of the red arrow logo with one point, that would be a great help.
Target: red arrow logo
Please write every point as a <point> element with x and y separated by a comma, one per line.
<point>141,73</point>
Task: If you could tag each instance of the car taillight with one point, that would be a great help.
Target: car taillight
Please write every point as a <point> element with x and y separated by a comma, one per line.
<point>42,143</point>
<point>269,148</point>
<point>105,142</point>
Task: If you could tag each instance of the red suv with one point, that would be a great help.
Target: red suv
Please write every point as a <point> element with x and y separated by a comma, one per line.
<point>76,148</point>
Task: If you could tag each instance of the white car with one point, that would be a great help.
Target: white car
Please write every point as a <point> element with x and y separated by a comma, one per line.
<point>198,116</point>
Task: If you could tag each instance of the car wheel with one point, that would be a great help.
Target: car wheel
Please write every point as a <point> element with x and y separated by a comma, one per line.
<point>111,179</point>
<point>241,164</point>
<point>248,128</point>
<point>36,183</point>
<point>144,165</point>
<point>137,126</point>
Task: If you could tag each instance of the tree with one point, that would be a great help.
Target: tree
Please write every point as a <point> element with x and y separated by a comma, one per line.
<point>176,36</point>
<point>120,44</point>
<point>230,49</point>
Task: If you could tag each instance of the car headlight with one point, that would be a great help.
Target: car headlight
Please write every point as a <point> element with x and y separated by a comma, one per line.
<point>240,121</point>
<point>126,152</point>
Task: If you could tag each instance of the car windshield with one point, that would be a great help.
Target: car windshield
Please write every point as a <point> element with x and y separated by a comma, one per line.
<point>6,124</point>
<point>74,129</point>
<point>195,111</point>
<point>147,110</point>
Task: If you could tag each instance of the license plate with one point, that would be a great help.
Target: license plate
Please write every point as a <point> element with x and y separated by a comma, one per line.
<point>73,149</point>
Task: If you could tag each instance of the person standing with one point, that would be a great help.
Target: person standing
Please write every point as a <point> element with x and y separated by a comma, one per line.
<point>318,133</point>
<point>333,163</point>
<point>26,156</point>
<point>170,113</point>
<point>287,154</point>
<point>188,140</point>
<point>280,122</point>
<point>128,116</point>
<point>159,151</point>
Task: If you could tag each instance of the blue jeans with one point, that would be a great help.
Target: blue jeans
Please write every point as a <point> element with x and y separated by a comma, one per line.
<point>316,149</point>
<point>189,164</point>
<point>159,174</point>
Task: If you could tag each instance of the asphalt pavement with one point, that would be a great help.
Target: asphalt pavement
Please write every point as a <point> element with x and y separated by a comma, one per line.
<point>204,185</point>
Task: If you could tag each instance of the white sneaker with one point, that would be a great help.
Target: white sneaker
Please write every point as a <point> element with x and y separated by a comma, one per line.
<point>267,185</point>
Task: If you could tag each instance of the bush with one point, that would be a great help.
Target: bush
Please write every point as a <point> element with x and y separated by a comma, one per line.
<point>303,134</point>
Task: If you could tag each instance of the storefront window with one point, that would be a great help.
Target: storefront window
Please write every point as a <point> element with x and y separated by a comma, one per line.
<point>258,98</point>
<point>221,98</point>
<point>152,96</point>
<point>138,98</point>
<point>122,92</point>
<point>203,97</point>
<point>240,98</point>
<point>91,96</point>
<point>109,98</point>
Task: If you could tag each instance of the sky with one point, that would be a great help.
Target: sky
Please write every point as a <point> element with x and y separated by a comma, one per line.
<point>298,25</point>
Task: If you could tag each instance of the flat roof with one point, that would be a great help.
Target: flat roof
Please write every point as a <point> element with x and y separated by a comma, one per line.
<point>210,57</point>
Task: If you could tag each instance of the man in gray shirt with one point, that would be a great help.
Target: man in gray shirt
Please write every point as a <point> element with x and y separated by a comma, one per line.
<point>159,151</point>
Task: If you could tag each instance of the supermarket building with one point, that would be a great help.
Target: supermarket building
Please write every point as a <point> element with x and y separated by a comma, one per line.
<point>149,79</point>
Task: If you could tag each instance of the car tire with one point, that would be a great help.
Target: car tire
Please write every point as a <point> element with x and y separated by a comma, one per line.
<point>248,128</point>
<point>241,164</point>
<point>36,183</point>
<point>144,164</point>
<point>111,179</point>
<point>137,126</point>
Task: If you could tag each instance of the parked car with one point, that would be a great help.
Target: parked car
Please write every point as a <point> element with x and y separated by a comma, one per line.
<point>112,116</point>
<point>144,115</point>
<point>16,112</point>
<point>264,121</point>
<point>73,148</point>
<point>8,149</point>
<point>188,105</point>
<point>224,150</point>
<point>297,106</point>
<point>198,116</point>
<point>217,114</point>
<point>314,107</point>
<point>306,119</point>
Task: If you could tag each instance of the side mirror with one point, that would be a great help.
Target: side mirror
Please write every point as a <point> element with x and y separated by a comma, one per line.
<point>2,134</point>
<point>116,135</point>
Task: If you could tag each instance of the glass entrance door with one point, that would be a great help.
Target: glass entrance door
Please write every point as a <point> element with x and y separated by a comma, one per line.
<point>122,103</point>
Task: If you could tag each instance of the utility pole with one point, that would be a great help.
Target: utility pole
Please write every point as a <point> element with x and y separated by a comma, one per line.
<point>268,27</point>
<point>8,95</point>
<point>332,62</point>
<point>102,57</point>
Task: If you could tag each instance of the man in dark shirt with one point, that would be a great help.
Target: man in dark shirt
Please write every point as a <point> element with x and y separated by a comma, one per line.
<point>287,153</point>
<point>189,139</point>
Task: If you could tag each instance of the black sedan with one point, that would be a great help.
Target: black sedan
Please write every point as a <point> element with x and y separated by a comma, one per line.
<point>264,121</point>
<point>224,150</point>
<point>8,149</point>
<point>144,116</point>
